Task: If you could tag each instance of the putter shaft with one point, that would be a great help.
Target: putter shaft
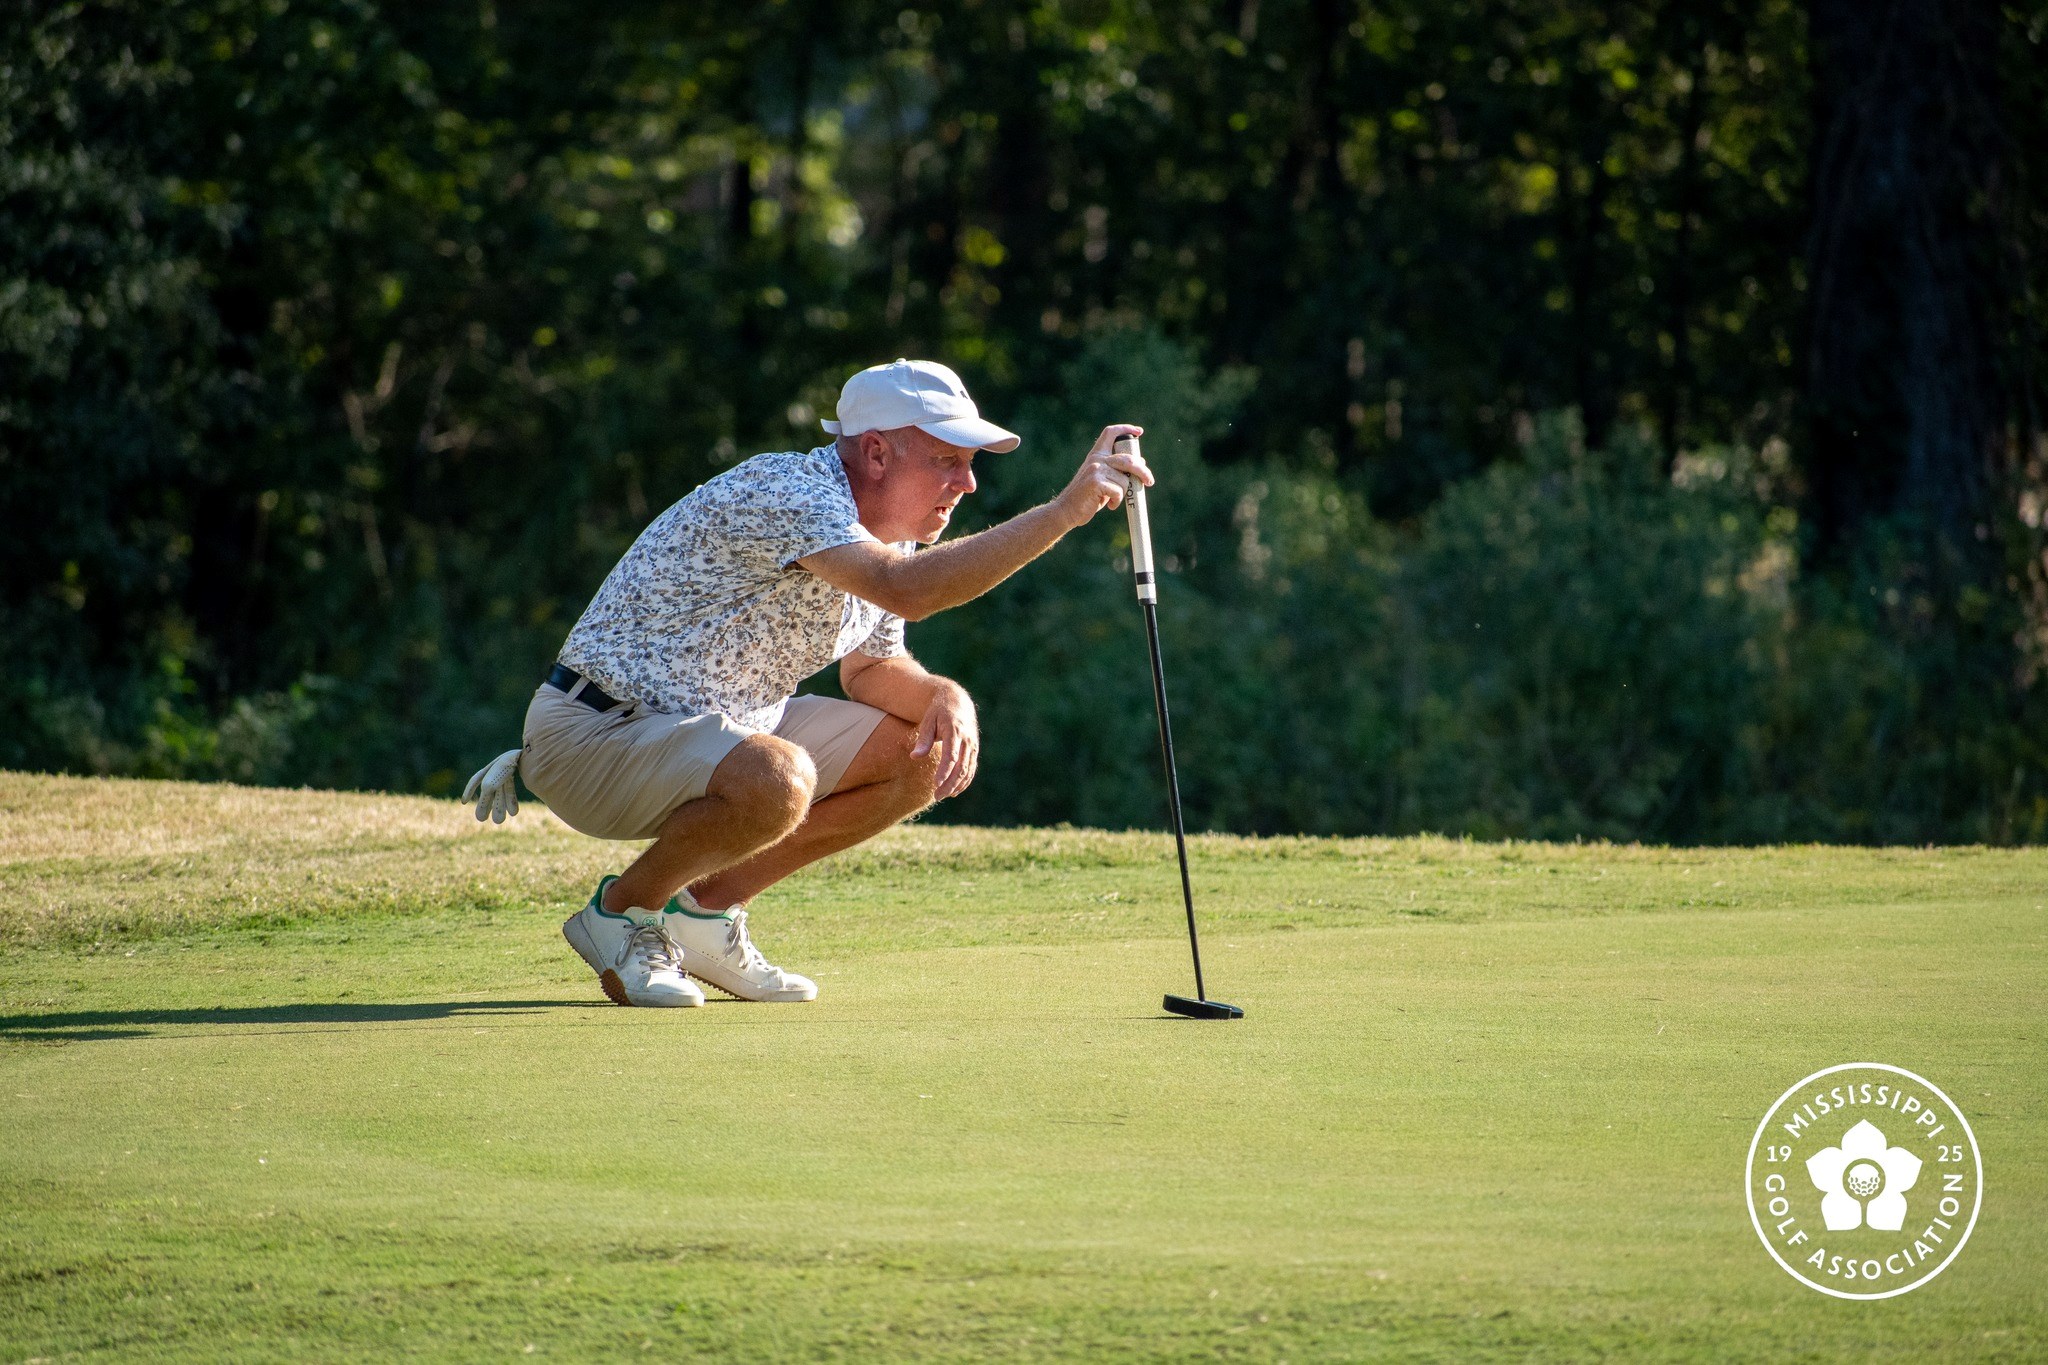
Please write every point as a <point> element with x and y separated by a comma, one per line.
<point>1148,596</point>
<point>1180,837</point>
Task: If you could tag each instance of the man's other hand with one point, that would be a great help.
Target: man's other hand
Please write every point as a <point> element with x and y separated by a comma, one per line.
<point>494,789</point>
<point>949,726</point>
<point>1099,482</point>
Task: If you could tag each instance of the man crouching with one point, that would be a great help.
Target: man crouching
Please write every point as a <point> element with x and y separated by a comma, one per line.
<point>669,713</point>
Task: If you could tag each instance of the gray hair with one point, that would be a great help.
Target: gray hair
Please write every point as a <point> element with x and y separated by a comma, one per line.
<point>849,446</point>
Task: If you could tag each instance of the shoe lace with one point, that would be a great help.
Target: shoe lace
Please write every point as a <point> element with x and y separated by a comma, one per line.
<point>652,942</point>
<point>736,940</point>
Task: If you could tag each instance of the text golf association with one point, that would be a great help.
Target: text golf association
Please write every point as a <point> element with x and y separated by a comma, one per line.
<point>1927,1245</point>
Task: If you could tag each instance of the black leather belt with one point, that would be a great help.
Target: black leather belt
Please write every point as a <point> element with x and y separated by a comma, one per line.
<point>563,679</point>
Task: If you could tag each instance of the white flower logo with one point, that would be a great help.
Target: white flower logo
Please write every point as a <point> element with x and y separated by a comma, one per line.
<point>1850,1177</point>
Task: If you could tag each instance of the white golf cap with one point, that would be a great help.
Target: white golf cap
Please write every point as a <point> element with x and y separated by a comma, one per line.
<point>916,393</point>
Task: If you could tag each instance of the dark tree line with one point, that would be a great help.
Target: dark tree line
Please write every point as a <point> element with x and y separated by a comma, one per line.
<point>1914,390</point>
<point>342,346</point>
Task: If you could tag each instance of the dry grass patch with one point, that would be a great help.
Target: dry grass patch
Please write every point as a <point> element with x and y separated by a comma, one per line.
<point>90,860</point>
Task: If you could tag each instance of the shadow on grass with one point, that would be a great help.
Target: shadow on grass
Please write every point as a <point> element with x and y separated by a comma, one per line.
<point>93,1025</point>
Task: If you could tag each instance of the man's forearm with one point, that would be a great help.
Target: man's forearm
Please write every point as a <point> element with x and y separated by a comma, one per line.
<point>900,686</point>
<point>962,570</point>
<point>915,586</point>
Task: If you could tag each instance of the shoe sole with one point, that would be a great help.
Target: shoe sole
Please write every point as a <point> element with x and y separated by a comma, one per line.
<point>776,998</point>
<point>614,989</point>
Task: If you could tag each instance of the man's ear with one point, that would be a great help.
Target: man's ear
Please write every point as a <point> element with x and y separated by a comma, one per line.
<point>874,453</point>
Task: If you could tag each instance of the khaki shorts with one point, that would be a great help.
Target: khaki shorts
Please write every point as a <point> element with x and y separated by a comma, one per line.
<point>617,774</point>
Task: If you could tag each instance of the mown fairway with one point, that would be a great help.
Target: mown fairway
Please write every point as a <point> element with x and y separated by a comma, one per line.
<point>295,1075</point>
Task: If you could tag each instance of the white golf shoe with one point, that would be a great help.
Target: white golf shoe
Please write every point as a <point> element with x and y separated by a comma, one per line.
<point>717,951</point>
<point>636,960</point>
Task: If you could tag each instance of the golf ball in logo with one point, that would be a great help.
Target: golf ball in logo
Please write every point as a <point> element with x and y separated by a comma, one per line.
<point>1864,1181</point>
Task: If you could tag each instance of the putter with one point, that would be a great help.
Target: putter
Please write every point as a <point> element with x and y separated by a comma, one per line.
<point>1201,1007</point>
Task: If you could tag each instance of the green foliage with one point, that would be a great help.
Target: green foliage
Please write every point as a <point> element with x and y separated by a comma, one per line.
<point>1571,644</point>
<point>343,349</point>
<point>1593,643</point>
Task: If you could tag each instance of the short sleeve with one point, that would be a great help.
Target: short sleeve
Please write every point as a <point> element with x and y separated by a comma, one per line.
<point>885,641</point>
<point>796,505</point>
<point>815,528</point>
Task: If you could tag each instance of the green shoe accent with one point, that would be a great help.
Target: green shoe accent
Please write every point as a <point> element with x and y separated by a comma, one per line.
<point>675,906</point>
<point>597,899</point>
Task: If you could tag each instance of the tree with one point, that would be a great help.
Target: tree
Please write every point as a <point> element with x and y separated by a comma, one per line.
<point>1909,407</point>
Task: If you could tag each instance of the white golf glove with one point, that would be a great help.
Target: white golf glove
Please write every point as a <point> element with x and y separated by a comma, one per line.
<point>494,788</point>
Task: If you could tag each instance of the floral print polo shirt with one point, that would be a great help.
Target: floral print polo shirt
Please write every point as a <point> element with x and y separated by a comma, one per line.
<point>709,611</point>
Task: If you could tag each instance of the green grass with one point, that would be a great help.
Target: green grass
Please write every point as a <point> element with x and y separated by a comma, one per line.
<point>311,1076</point>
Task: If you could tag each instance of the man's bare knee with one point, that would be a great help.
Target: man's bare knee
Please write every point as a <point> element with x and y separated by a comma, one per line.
<point>912,780</point>
<point>919,775</point>
<point>768,779</point>
<point>888,758</point>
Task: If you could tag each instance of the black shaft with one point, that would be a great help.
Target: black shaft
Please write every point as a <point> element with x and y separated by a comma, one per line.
<point>1180,835</point>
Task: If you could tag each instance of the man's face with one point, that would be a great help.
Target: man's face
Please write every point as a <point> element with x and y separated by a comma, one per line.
<point>922,480</point>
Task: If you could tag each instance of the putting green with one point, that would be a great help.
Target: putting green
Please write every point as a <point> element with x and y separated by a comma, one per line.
<point>313,1076</point>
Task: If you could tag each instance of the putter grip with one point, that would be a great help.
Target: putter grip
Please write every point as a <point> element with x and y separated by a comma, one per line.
<point>1141,527</point>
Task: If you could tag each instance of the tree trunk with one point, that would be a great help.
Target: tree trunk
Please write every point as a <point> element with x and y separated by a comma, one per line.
<point>1905,400</point>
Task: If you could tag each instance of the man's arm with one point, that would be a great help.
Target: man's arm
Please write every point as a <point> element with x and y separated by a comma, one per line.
<point>939,707</point>
<point>916,586</point>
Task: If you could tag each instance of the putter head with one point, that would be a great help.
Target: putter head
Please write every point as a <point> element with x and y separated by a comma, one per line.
<point>1202,1009</point>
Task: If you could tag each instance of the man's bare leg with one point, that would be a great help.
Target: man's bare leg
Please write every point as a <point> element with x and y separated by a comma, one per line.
<point>758,794</point>
<point>883,785</point>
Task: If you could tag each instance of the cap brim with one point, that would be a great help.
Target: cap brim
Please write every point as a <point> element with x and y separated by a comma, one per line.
<point>973,433</point>
<point>830,426</point>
